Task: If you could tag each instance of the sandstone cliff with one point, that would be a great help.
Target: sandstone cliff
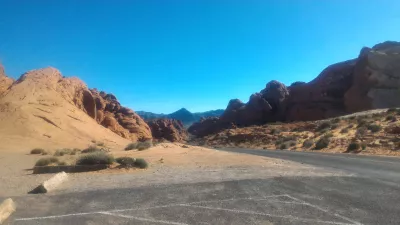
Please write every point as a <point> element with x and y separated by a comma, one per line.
<point>370,81</point>
<point>168,129</point>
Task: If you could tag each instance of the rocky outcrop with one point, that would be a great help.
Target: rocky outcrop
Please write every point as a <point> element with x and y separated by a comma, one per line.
<point>369,82</point>
<point>168,129</point>
<point>5,82</point>
<point>121,120</point>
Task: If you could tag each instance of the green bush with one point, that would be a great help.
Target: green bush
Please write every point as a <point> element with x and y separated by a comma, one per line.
<point>139,145</point>
<point>275,131</point>
<point>95,158</point>
<point>92,149</point>
<point>362,122</point>
<point>354,146</point>
<point>374,128</point>
<point>363,145</point>
<point>308,143</point>
<point>144,145</point>
<point>131,146</point>
<point>324,125</point>
<point>336,120</point>
<point>391,118</point>
<point>64,151</point>
<point>361,131</point>
<point>126,161</point>
<point>37,151</point>
<point>46,161</point>
<point>141,163</point>
<point>323,142</point>
<point>334,126</point>
<point>344,130</point>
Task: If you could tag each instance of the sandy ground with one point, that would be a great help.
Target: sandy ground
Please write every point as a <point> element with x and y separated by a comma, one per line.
<point>169,163</point>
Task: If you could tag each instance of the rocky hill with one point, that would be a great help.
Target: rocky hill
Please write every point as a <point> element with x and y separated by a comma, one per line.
<point>43,108</point>
<point>184,115</point>
<point>371,81</point>
<point>168,129</point>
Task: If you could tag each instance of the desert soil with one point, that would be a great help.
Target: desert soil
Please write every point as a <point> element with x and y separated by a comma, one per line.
<point>169,163</point>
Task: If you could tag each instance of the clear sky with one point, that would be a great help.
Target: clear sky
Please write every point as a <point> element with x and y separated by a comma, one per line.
<point>161,55</point>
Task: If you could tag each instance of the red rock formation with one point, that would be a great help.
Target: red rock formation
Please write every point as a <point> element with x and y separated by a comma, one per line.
<point>121,120</point>
<point>169,129</point>
<point>371,81</point>
<point>5,82</point>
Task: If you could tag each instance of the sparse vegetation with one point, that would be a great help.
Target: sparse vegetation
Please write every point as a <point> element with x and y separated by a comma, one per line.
<point>141,163</point>
<point>361,131</point>
<point>95,158</point>
<point>100,144</point>
<point>62,163</point>
<point>126,162</point>
<point>391,110</point>
<point>336,120</point>
<point>308,143</point>
<point>362,122</point>
<point>37,151</point>
<point>91,149</point>
<point>391,118</point>
<point>275,131</point>
<point>374,128</point>
<point>144,145</point>
<point>64,151</point>
<point>131,146</point>
<point>46,161</point>
<point>139,145</point>
<point>354,146</point>
<point>334,126</point>
<point>323,142</point>
<point>363,145</point>
<point>344,130</point>
<point>324,125</point>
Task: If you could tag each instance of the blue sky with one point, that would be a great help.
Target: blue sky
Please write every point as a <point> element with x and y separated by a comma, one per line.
<point>161,55</point>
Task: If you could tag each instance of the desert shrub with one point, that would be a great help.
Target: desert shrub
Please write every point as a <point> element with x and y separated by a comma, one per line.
<point>100,144</point>
<point>62,163</point>
<point>354,146</point>
<point>144,145</point>
<point>374,128</point>
<point>308,143</point>
<point>131,146</point>
<point>95,158</point>
<point>391,118</point>
<point>64,151</point>
<point>284,139</point>
<point>361,131</point>
<point>363,145</point>
<point>37,151</point>
<point>141,163</point>
<point>275,131</point>
<point>75,150</point>
<point>328,135</point>
<point>344,130</point>
<point>284,146</point>
<point>350,126</point>
<point>323,142</point>
<point>324,125</point>
<point>336,120</point>
<point>92,149</point>
<point>362,122</point>
<point>139,145</point>
<point>352,117</point>
<point>46,161</point>
<point>334,126</point>
<point>126,161</point>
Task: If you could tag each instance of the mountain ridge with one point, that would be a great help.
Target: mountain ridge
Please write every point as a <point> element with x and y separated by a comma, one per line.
<point>184,115</point>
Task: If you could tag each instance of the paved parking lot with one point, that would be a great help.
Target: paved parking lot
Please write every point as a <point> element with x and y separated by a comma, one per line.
<point>273,209</point>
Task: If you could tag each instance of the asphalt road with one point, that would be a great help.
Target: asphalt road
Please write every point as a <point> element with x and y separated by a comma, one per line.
<point>371,195</point>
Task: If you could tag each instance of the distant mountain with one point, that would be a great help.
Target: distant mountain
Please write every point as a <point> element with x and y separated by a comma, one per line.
<point>184,115</point>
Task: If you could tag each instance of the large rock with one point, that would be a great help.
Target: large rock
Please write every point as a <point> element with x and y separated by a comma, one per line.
<point>376,78</point>
<point>169,129</point>
<point>121,120</point>
<point>370,81</point>
<point>5,82</point>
